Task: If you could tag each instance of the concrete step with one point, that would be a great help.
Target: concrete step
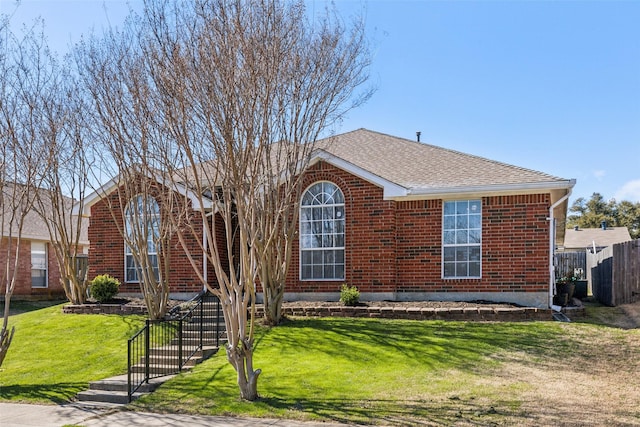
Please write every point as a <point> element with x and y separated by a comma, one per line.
<point>195,326</point>
<point>206,335</point>
<point>172,350</point>
<point>105,396</point>
<point>194,342</point>
<point>113,391</point>
<point>157,369</point>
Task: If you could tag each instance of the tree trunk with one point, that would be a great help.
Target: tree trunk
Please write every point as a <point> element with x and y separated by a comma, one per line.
<point>5,341</point>
<point>273,298</point>
<point>241,358</point>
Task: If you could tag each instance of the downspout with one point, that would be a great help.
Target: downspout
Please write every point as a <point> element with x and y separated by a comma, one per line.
<point>552,245</point>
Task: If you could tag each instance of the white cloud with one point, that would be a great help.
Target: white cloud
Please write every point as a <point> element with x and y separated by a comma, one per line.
<point>599,174</point>
<point>629,191</point>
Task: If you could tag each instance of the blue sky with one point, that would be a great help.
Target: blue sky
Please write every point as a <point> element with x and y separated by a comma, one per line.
<point>547,85</point>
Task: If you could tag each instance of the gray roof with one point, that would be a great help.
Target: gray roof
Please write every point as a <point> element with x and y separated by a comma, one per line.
<point>424,167</point>
<point>583,238</point>
<point>34,227</point>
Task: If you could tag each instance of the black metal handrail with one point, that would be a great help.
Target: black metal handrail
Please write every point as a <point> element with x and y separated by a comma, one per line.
<point>163,347</point>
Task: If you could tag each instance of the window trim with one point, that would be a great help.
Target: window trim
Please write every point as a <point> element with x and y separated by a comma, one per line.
<point>457,245</point>
<point>127,249</point>
<point>342,248</point>
<point>46,264</point>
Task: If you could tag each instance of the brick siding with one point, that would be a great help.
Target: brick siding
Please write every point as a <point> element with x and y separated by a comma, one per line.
<point>23,288</point>
<point>106,251</point>
<point>390,246</point>
<point>397,246</point>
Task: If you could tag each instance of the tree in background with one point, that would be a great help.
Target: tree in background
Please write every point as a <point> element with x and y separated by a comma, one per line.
<point>132,144</point>
<point>590,214</point>
<point>25,82</point>
<point>65,180</point>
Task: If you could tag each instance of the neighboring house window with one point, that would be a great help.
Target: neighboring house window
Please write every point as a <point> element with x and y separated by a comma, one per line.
<point>461,239</point>
<point>322,233</point>
<point>142,217</point>
<point>38,265</point>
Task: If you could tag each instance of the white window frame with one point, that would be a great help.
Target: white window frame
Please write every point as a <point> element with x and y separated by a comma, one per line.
<point>40,263</point>
<point>462,239</point>
<point>153,222</point>
<point>330,198</point>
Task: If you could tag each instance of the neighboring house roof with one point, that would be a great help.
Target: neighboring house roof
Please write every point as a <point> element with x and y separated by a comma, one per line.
<point>34,227</point>
<point>415,169</point>
<point>583,238</point>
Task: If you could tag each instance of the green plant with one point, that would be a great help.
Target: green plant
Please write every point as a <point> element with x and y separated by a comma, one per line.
<point>104,287</point>
<point>349,295</point>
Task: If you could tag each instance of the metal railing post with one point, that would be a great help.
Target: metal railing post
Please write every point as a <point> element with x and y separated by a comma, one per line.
<point>217,322</point>
<point>201,326</point>
<point>147,345</point>
<point>180,344</point>
<point>129,371</point>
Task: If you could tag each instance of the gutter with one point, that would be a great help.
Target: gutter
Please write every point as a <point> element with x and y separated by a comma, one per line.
<point>552,243</point>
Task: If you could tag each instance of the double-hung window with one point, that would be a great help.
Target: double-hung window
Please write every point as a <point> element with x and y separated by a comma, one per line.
<point>322,232</point>
<point>142,221</point>
<point>38,265</point>
<point>462,239</point>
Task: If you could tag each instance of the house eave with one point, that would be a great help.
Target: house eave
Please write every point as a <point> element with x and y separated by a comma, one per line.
<point>391,190</point>
<point>84,208</point>
<point>485,190</point>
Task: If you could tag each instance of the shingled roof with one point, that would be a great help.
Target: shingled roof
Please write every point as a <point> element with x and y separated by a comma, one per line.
<point>428,169</point>
<point>582,238</point>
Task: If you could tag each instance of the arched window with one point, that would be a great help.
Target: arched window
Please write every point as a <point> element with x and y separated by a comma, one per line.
<point>322,232</point>
<point>142,222</point>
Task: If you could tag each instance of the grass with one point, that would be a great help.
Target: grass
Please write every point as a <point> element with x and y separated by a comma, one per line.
<point>54,356</point>
<point>359,371</point>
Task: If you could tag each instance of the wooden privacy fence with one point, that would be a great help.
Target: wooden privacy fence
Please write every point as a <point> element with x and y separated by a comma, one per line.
<point>615,273</point>
<point>568,262</point>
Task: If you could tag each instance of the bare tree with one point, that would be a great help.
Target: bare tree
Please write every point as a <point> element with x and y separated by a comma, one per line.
<point>245,89</point>
<point>124,126</point>
<point>65,180</point>
<point>25,71</point>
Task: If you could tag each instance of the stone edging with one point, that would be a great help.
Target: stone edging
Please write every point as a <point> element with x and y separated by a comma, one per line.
<point>474,314</point>
<point>104,309</point>
<point>515,314</point>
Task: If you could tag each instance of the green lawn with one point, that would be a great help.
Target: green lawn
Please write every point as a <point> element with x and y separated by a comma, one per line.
<point>54,356</point>
<point>358,370</point>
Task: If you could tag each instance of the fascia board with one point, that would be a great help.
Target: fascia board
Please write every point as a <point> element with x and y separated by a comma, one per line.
<point>109,186</point>
<point>486,190</point>
<point>95,197</point>
<point>391,190</point>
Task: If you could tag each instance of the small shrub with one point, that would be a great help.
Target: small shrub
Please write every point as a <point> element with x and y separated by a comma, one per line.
<point>104,287</point>
<point>349,295</point>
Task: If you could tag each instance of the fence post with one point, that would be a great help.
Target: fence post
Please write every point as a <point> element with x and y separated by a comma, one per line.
<point>217,322</point>
<point>180,344</point>
<point>129,370</point>
<point>147,346</point>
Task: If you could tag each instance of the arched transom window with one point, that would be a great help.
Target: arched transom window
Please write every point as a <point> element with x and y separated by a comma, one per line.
<point>142,222</point>
<point>322,232</point>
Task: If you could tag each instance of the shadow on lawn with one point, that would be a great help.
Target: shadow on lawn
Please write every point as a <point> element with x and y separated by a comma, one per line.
<point>56,393</point>
<point>399,412</point>
<point>435,344</point>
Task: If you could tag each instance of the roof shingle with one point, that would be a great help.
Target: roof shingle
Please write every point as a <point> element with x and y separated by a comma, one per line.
<point>415,165</point>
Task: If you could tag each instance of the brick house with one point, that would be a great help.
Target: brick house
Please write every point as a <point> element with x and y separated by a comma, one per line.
<point>403,220</point>
<point>38,273</point>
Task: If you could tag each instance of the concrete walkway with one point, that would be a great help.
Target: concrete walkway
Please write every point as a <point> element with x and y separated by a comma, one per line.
<point>23,415</point>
